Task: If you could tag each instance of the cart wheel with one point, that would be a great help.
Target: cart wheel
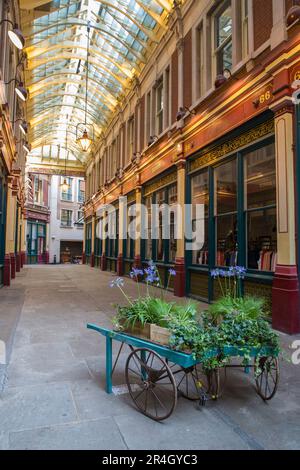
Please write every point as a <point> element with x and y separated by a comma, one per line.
<point>193,381</point>
<point>151,384</point>
<point>266,376</point>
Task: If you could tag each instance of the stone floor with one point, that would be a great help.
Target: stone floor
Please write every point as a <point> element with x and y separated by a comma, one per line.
<point>54,396</point>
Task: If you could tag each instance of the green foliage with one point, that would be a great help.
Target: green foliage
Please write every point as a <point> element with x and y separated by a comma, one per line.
<point>155,310</point>
<point>247,307</point>
<point>237,323</point>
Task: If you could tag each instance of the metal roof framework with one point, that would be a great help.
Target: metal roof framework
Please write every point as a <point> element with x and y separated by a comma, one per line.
<point>123,33</point>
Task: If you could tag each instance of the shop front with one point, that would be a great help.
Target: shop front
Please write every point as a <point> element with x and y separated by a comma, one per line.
<point>36,242</point>
<point>3,197</point>
<point>160,248</point>
<point>235,180</point>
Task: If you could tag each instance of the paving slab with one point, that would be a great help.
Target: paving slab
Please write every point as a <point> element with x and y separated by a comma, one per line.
<point>102,434</point>
<point>27,407</point>
<point>54,396</point>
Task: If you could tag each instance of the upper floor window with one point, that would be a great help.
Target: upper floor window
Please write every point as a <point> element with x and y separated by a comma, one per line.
<point>245,28</point>
<point>81,190</point>
<point>66,218</point>
<point>67,195</point>
<point>38,190</point>
<point>199,62</point>
<point>223,38</point>
<point>130,138</point>
<point>160,107</point>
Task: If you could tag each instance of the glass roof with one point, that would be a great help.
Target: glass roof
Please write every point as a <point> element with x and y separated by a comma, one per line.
<point>122,34</point>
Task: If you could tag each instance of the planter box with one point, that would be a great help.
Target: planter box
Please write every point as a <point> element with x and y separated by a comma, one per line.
<point>138,330</point>
<point>158,334</point>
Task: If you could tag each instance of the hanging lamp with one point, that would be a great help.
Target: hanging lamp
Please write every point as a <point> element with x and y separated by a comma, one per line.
<point>85,141</point>
<point>65,185</point>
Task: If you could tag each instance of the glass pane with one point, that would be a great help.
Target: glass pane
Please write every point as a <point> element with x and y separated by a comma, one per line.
<point>200,193</point>
<point>148,242</point>
<point>262,240</point>
<point>226,232</point>
<point>226,188</point>
<point>224,25</point>
<point>260,177</point>
<point>160,199</point>
<point>201,256</point>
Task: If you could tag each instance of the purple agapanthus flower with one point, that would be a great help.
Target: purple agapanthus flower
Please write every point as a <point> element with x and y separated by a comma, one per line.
<point>172,272</point>
<point>215,273</point>
<point>136,272</point>
<point>240,272</point>
<point>119,282</point>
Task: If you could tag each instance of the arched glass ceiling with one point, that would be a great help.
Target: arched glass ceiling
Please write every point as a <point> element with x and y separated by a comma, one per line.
<point>122,34</point>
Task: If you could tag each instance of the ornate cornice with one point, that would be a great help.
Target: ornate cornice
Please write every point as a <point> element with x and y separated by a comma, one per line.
<point>159,183</point>
<point>232,145</point>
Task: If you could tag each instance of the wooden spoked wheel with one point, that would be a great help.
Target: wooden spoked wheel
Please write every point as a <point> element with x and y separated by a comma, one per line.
<point>151,384</point>
<point>192,382</point>
<point>266,376</point>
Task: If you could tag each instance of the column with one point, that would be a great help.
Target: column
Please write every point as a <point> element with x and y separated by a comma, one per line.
<point>179,282</point>
<point>279,32</point>
<point>122,234</point>
<point>138,220</point>
<point>285,291</point>
<point>8,233</point>
<point>93,241</point>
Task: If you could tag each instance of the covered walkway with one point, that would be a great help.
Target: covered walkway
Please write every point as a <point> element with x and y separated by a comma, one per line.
<point>54,396</point>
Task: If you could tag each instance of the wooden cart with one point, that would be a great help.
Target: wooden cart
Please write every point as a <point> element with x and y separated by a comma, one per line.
<point>156,375</point>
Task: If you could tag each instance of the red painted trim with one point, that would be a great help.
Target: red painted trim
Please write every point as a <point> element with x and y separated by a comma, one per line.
<point>6,271</point>
<point>12,265</point>
<point>103,263</point>
<point>286,300</point>
<point>46,257</point>
<point>92,260</point>
<point>18,262</point>
<point>179,281</point>
<point>83,258</point>
<point>137,263</point>
<point>120,265</point>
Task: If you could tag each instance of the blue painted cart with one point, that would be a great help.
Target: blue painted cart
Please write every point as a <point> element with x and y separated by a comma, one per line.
<point>151,369</point>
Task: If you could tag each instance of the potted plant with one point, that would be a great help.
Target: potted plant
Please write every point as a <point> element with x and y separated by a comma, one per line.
<point>151,315</point>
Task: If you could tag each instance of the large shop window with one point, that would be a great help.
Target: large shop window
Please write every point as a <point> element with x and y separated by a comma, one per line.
<point>131,224</point>
<point>113,239</point>
<point>260,205</point>
<point>200,195</point>
<point>162,249</point>
<point>225,182</point>
<point>240,210</point>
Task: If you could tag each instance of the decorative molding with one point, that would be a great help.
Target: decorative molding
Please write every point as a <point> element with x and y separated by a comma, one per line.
<point>233,145</point>
<point>161,182</point>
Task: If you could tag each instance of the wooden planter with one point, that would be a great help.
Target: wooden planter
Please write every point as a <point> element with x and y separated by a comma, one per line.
<point>138,330</point>
<point>158,334</point>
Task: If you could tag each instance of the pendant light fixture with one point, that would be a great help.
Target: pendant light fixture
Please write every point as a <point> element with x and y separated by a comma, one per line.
<point>65,185</point>
<point>20,90</point>
<point>85,141</point>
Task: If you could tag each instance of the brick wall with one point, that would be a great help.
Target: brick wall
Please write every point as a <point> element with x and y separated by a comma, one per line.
<point>263,21</point>
<point>174,86</point>
<point>187,70</point>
